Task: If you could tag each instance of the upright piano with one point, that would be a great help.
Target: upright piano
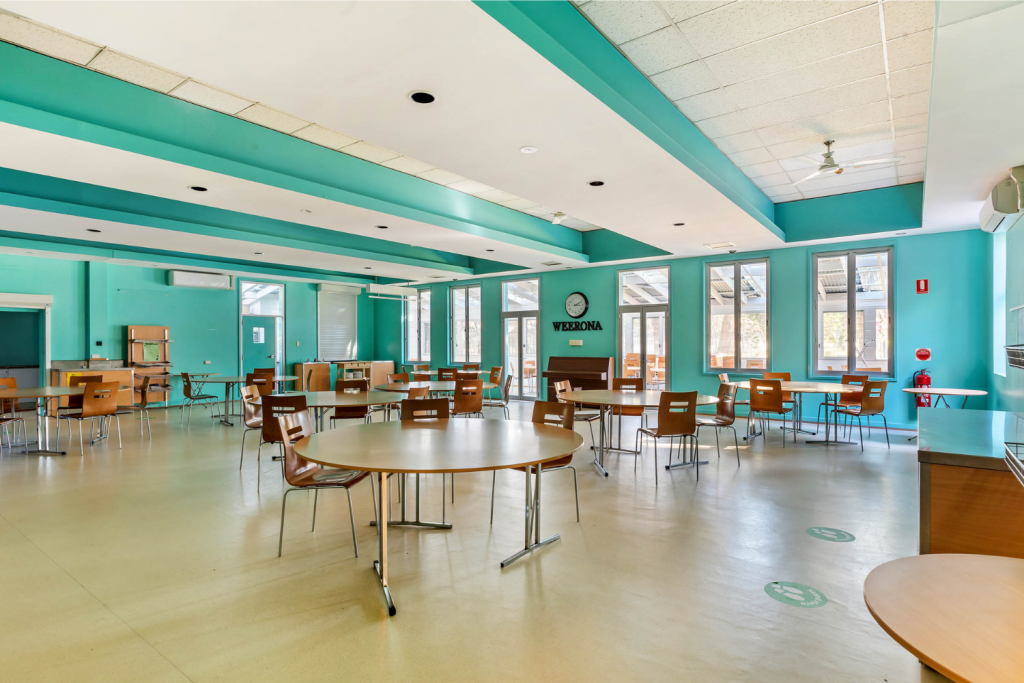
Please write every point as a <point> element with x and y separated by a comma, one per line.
<point>583,372</point>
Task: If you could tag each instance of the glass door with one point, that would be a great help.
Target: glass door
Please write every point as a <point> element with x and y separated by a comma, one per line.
<point>262,326</point>
<point>520,348</point>
<point>511,346</point>
<point>643,345</point>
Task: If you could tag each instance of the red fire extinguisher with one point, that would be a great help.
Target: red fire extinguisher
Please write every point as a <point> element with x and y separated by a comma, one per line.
<point>923,379</point>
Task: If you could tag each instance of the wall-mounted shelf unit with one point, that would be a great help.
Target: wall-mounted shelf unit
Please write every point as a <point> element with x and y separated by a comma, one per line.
<point>149,353</point>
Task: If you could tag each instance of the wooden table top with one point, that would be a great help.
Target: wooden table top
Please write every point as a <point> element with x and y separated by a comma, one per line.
<point>46,392</point>
<point>962,615</point>
<point>430,446</point>
<point>811,387</point>
<point>635,399</point>
<point>937,391</point>
<point>344,399</point>
<point>217,379</point>
<point>432,386</point>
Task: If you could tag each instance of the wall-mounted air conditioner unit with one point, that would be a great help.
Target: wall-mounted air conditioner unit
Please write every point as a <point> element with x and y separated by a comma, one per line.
<point>1002,207</point>
<point>187,278</point>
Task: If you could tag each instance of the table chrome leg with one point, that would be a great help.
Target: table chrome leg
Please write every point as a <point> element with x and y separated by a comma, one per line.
<point>599,460</point>
<point>42,432</point>
<point>380,566</point>
<point>532,520</point>
<point>403,490</point>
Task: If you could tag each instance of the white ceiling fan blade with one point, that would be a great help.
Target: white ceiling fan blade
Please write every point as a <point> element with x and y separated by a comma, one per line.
<point>808,159</point>
<point>812,176</point>
<point>869,162</point>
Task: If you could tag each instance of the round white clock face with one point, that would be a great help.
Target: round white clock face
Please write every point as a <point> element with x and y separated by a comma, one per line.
<point>576,305</point>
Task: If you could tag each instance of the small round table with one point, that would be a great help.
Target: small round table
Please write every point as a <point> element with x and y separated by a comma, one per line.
<point>439,447</point>
<point>42,395</point>
<point>434,386</point>
<point>962,615</point>
<point>608,399</point>
<point>942,394</point>
<point>322,401</point>
<point>230,383</point>
<point>833,389</point>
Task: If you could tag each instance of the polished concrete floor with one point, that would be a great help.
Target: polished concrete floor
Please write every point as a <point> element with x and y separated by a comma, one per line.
<point>158,562</point>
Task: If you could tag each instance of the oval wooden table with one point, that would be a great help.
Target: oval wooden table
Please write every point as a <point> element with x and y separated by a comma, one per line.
<point>229,391</point>
<point>609,399</point>
<point>42,395</point>
<point>440,447</point>
<point>833,389</point>
<point>962,615</point>
<point>321,401</point>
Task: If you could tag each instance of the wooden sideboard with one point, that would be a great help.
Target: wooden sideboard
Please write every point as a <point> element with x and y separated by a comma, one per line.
<point>125,376</point>
<point>320,380</point>
<point>376,371</point>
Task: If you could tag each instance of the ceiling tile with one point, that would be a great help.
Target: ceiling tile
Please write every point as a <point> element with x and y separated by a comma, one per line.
<point>826,73</point>
<point>773,180</point>
<point>684,9</point>
<point>848,138</point>
<point>576,224</point>
<point>826,124</point>
<point>739,143</point>
<point>910,105</point>
<point>659,51</point>
<point>913,156</point>
<point>685,81</point>
<point>913,50</point>
<point>758,155</point>
<point>727,124</point>
<point>746,22</point>
<point>758,170</point>
<point>496,196</point>
<point>829,38</point>
<point>520,204</point>
<point>440,176</point>
<point>911,124</point>
<point>908,142</point>
<point>887,174</point>
<point>325,137</point>
<point>470,187</point>
<point>904,179</point>
<point>779,199</point>
<point>47,40</point>
<point>624,21</point>
<point>364,150</point>
<point>136,71</point>
<point>907,16</point>
<point>822,101</point>
<point>912,169</point>
<point>706,105</point>
<point>209,97</point>
<point>408,165</point>
<point>272,118</point>
<point>910,81</point>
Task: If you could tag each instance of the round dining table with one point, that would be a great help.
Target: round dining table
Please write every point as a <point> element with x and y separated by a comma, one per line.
<point>434,386</point>
<point>440,447</point>
<point>832,391</point>
<point>609,399</point>
<point>42,395</point>
<point>230,384</point>
<point>942,393</point>
<point>322,401</point>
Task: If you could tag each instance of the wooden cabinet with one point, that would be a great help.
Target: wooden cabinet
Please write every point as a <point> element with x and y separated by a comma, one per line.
<point>319,380</point>
<point>376,371</point>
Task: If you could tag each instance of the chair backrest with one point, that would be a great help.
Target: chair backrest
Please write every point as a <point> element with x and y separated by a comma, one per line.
<point>274,406</point>
<point>469,396</point>
<point>360,384</point>
<point>855,379</point>
<point>872,400</point>
<point>144,391</point>
<point>628,383</point>
<point>677,413</point>
<point>446,374</point>
<point>471,366</point>
<point>725,409</point>
<point>495,377</point>
<point>100,398</point>
<point>562,387</point>
<point>783,376</point>
<point>425,409</point>
<point>308,384</point>
<point>265,371</point>
<point>506,390</point>
<point>252,414</point>
<point>422,367</point>
<point>418,393</point>
<point>467,375</point>
<point>766,394</point>
<point>75,402</point>
<point>263,382</point>
<point>723,377</point>
<point>554,413</point>
<point>8,404</point>
<point>294,426</point>
<point>402,377</point>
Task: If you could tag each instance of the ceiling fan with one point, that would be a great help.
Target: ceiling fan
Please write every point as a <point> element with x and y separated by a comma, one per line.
<point>830,165</point>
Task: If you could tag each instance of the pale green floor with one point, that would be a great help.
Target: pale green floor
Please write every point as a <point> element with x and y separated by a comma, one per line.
<point>159,562</point>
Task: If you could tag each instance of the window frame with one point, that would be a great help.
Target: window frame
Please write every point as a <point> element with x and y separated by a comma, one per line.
<point>851,307</point>
<point>737,368</point>
<point>419,338</point>
<point>451,322</point>
<point>504,295</point>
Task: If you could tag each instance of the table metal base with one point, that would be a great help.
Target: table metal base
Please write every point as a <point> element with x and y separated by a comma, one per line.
<point>403,484</point>
<point>532,520</point>
<point>380,565</point>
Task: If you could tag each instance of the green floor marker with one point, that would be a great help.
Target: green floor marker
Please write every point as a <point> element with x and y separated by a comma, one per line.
<point>834,535</point>
<point>795,594</point>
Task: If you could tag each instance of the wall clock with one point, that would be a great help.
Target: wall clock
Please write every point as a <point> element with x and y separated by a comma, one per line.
<point>576,305</point>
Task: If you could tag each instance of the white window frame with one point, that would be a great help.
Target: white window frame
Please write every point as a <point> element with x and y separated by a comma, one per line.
<point>737,368</point>
<point>451,322</point>
<point>405,332</point>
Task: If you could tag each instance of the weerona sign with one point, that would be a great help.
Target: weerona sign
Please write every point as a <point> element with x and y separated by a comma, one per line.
<point>578,326</point>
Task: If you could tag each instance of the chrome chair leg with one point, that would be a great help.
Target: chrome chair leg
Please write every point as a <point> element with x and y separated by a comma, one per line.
<point>352,519</point>
<point>576,486</point>
<point>284,502</point>
<point>860,429</point>
<point>316,495</point>
<point>81,444</point>
<point>885,423</point>
<point>656,461</point>
<point>117,421</point>
<point>494,481</point>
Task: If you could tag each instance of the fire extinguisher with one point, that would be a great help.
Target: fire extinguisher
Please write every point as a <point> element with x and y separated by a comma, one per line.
<point>923,379</point>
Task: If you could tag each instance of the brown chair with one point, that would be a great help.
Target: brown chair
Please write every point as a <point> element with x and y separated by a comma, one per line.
<point>628,384</point>
<point>99,402</point>
<point>787,396</point>
<point>351,412</point>
<point>401,377</point>
<point>423,367</point>
<point>74,404</point>
<point>872,402</point>
<point>494,378</point>
<point>192,397</point>
<point>142,409</point>
<point>422,376</point>
<point>469,398</point>
<point>303,475</point>
<point>426,409</point>
<point>6,420</point>
<point>264,382</point>
<point>845,400</point>
<point>529,374</point>
<point>471,366</point>
<point>766,399</point>
<point>447,374</point>
<point>579,413</point>
<point>503,402</point>
<point>677,418</point>
<point>467,375</point>
<point>252,415</point>
<point>418,393</point>
<point>725,416</point>
<point>631,365</point>
<point>274,407</point>
<point>556,414</point>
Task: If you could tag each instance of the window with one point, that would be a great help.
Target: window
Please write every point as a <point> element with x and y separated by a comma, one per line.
<point>465,324</point>
<point>643,287</point>
<point>336,322</point>
<point>738,291</point>
<point>858,281</point>
<point>643,298</point>
<point>520,295</point>
<point>417,326</point>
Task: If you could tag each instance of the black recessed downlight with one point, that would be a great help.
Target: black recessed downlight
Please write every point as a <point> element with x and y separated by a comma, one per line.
<point>367,267</point>
<point>596,183</point>
<point>92,230</point>
<point>197,188</point>
<point>490,250</point>
<point>679,225</point>
<point>420,97</point>
<point>381,227</point>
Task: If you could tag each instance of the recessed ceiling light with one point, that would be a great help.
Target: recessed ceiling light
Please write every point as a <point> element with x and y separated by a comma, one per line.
<point>367,268</point>
<point>197,188</point>
<point>568,267</point>
<point>305,211</point>
<point>420,97</point>
<point>29,252</point>
<point>551,263</point>
<point>719,245</point>
<point>381,227</point>
<point>490,250</point>
<point>679,225</point>
<point>257,253</point>
<point>436,277</point>
<point>596,183</point>
<point>92,230</point>
<point>527,150</point>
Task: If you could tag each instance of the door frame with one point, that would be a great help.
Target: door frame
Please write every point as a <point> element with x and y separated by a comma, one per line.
<point>643,309</point>
<point>241,322</point>
<point>504,346</point>
<point>40,303</point>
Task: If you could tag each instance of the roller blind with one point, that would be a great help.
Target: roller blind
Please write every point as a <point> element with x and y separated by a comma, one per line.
<point>336,322</point>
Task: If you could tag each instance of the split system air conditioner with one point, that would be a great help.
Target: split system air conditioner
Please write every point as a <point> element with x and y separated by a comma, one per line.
<point>387,291</point>
<point>1002,207</point>
<point>187,278</point>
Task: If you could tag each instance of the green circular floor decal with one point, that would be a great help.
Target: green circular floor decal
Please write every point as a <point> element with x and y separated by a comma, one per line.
<point>834,535</point>
<point>795,594</point>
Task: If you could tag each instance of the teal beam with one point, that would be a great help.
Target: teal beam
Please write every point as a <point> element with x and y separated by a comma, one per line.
<point>849,215</point>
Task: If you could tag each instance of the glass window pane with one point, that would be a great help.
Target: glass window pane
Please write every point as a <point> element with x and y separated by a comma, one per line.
<point>424,325</point>
<point>630,326</point>
<point>830,297</point>
<point>531,374</point>
<point>412,346</point>
<point>458,327</point>
<point>657,369</point>
<point>512,354</point>
<point>754,315</point>
<point>521,295</point>
<point>474,324</point>
<point>643,287</point>
<point>721,317</point>
<point>872,344</point>
<point>259,298</point>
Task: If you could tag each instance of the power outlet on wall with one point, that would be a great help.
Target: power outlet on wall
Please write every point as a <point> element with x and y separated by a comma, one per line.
<point>575,342</point>
<point>206,362</point>
<point>296,343</point>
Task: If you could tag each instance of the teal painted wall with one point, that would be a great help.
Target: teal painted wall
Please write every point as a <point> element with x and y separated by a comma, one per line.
<point>886,209</point>
<point>19,338</point>
<point>65,281</point>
